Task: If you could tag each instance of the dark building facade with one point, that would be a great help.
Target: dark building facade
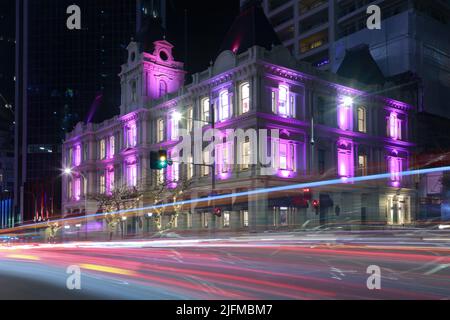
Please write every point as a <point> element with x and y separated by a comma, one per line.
<point>64,77</point>
<point>7,45</point>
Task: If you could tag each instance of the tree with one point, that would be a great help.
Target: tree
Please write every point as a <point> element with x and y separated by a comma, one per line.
<point>126,198</point>
<point>166,193</point>
<point>111,204</point>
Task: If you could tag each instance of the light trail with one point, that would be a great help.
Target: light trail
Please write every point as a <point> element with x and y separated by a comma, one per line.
<point>247,193</point>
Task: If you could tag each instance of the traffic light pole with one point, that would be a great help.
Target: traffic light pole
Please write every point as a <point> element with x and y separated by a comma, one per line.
<point>213,178</point>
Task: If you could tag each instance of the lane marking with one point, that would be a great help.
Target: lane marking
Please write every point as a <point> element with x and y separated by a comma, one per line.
<point>94,267</point>
<point>23,257</point>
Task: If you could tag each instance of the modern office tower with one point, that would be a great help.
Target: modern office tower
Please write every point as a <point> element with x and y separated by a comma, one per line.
<point>63,77</point>
<point>413,38</point>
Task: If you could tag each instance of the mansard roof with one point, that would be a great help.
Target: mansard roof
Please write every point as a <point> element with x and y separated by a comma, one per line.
<point>251,28</point>
<point>359,65</point>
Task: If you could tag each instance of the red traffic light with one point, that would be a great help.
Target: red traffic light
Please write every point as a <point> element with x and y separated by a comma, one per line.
<point>218,212</point>
<point>316,204</point>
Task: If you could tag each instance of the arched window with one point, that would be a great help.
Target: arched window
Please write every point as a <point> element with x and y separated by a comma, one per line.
<point>205,111</point>
<point>245,97</point>
<point>283,100</point>
<point>224,112</point>
<point>162,88</point>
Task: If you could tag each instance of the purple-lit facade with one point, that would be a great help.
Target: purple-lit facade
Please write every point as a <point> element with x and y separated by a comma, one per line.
<point>353,133</point>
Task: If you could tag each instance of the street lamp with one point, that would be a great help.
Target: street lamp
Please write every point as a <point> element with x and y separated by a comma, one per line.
<point>69,172</point>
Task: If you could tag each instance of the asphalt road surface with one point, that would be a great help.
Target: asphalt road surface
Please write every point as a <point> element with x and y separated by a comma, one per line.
<point>291,266</point>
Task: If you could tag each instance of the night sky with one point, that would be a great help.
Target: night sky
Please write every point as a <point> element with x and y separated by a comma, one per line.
<point>208,23</point>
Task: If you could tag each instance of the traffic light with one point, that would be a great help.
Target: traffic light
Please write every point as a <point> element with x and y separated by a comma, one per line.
<point>316,206</point>
<point>159,160</point>
<point>217,212</point>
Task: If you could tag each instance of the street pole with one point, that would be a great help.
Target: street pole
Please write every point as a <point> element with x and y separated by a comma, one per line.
<point>213,178</point>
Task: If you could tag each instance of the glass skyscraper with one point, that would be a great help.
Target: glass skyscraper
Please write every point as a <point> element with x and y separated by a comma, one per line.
<point>64,77</point>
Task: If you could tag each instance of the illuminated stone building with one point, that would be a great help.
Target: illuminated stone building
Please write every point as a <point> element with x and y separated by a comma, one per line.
<point>326,130</point>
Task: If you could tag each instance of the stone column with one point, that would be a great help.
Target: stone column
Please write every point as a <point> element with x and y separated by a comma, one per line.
<point>235,220</point>
<point>197,221</point>
<point>258,213</point>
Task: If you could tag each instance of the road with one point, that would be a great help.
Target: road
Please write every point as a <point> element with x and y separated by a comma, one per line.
<point>324,265</point>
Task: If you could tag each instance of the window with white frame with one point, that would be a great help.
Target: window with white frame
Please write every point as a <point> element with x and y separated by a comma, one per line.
<point>395,168</point>
<point>112,147</point>
<point>190,119</point>
<point>362,119</point>
<point>77,189</point>
<point>102,149</point>
<point>245,221</point>
<point>284,213</point>
<point>205,106</point>
<point>226,219</point>
<point>284,155</point>
<point>224,154</point>
<point>132,175</point>
<point>245,98</point>
<point>70,158</point>
<point>362,164</point>
<point>160,130</point>
<point>131,135</point>
<point>102,184</point>
<point>283,102</point>
<point>394,126</point>
<point>345,159</point>
<point>69,189</point>
<point>77,155</point>
<point>246,154</point>
<point>274,102</point>
<point>110,180</point>
<point>224,105</point>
